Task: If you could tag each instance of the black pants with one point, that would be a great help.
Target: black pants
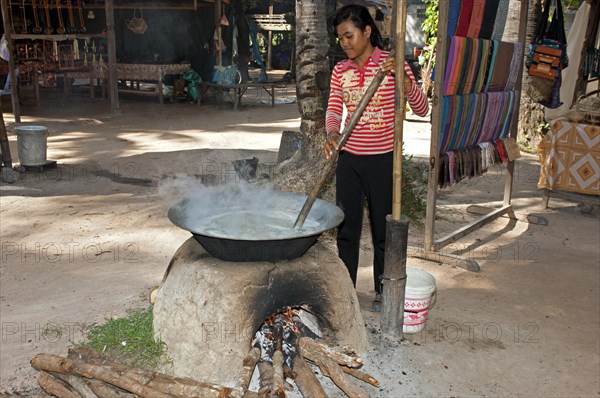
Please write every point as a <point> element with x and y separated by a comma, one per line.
<point>358,178</point>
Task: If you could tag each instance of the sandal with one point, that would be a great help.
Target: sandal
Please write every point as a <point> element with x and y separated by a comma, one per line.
<point>377,304</point>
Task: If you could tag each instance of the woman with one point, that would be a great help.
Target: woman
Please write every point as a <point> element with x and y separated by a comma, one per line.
<point>364,169</point>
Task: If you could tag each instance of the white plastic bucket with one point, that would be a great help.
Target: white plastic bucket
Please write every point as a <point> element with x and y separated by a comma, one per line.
<point>32,142</point>
<point>419,299</point>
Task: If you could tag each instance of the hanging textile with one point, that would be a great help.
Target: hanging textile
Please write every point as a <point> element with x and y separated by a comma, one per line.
<point>262,77</point>
<point>569,75</point>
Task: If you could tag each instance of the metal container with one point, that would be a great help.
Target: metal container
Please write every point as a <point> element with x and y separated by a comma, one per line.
<point>32,143</point>
<point>245,223</point>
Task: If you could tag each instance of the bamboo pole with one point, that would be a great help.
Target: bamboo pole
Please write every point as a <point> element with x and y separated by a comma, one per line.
<point>396,228</point>
<point>400,113</point>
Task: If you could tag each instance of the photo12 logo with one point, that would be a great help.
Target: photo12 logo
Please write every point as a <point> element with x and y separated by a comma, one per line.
<point>471,332</point>
<point>68,252</point>
<point>49,332</point>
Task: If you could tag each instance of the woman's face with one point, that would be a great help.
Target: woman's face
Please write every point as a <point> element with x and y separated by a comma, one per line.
<point>354,41</point>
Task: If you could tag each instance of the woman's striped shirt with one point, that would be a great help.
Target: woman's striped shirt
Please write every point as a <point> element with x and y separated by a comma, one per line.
<point>374,132</point>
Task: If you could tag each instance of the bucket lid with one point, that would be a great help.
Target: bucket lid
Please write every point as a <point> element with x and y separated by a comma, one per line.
<point>419,280</point>
<point>31,129</point>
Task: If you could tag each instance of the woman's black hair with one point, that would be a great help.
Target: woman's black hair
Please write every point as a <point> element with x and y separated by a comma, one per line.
<point>361,18</point>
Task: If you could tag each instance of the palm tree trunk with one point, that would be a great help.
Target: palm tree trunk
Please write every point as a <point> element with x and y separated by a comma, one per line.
<point>531,116</point>
<point>312,73</point>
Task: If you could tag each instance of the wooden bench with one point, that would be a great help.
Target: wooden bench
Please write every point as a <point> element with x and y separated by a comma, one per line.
<point>236,92</point>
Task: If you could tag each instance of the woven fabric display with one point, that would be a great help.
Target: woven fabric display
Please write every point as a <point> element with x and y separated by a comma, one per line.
<point>474,118</point>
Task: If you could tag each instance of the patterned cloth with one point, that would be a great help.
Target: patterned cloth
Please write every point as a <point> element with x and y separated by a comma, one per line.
<point>570,158</point>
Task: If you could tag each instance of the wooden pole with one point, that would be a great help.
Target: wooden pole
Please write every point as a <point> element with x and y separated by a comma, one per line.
<point>113,88</point>
<point>218,8</point>
<point>396,236</point>
<point>436,124</point>
<point>270,43</point>
<point>400,9</point>
<point>4,144</point>
<point>360,108</point>
<point>510,167</point>
<point>14,95</point>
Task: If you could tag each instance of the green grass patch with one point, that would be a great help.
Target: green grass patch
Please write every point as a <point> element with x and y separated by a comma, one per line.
<point>129,340</point>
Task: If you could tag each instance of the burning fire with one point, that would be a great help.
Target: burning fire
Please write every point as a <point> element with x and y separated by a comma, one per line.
<point>281,331</point>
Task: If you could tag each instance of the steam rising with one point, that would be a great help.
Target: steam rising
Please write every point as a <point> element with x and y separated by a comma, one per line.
<point>244,211</point>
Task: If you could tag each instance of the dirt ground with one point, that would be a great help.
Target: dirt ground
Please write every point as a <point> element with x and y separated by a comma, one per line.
<point>90,239</point>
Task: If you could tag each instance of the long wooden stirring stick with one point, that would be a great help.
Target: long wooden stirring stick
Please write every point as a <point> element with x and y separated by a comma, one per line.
<point>360,108</point>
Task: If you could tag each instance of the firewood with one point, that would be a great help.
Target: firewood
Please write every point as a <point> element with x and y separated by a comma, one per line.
<point>265,379</point>
<point>306,381</point>
<point>243,381</point>
<point>96,372</point>
<point>52,363</point>
<point>332,370</point>
<point>278,389</point>
<point>367,378</point>
<point>56,387</point>
<point>178,386</point>
<point>104,390</point>
<point>78,384</point>
<point>311,346</point>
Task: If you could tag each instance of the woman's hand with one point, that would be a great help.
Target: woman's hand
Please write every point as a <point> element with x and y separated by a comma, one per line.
<point>389,65</point>
<point>331,144</point>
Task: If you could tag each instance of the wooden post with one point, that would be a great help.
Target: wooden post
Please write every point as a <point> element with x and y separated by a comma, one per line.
<point>270,43</point>
<point>4,144</point>
<point>14,95</point>
<point>218,10</point>
<point>434,144</point>
<point>510,168</point>
<point>113,89</point>
<point>394,275</point>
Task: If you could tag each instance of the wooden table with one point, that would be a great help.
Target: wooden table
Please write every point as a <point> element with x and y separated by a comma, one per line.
<point>236,92</point>
<point>130,74</point>
<point>154,73</point>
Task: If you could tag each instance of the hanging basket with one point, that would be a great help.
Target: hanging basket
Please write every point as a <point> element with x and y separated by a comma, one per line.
<point>586,109</point>
<point>137,25</point>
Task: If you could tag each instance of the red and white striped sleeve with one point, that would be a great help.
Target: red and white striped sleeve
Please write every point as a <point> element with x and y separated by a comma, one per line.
<point>416,98</point>
<point>335,106</point>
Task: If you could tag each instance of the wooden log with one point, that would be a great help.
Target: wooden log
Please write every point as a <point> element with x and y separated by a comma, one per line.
<point>78,384</point>
<point>306,381</point>
<point>309,345</point>
<point>61,364</point>
<point>367,378</point>
<point>55,387</point>
<point>332,370</point>
<point>104,390</point>
<point>52,363</point>
<point>278,389</point>
<point>178,386</point>
<point>265,379</point>
<point>243,381</point>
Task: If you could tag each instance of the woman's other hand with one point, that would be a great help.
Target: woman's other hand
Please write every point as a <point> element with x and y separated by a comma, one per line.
<point>331,144</point>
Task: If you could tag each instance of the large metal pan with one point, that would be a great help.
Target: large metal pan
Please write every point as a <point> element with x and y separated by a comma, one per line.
<point>246,223</point>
